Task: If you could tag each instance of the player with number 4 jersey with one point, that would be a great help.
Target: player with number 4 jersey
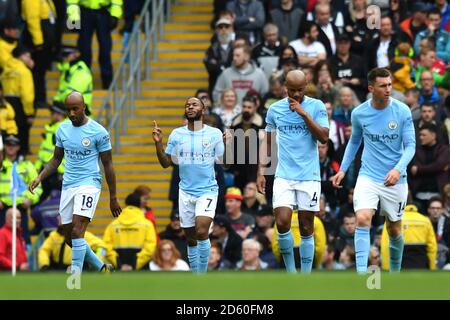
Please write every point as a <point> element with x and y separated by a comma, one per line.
<point>299,122</point>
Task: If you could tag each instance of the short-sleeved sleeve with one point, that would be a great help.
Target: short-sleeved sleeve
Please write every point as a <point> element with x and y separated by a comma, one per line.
<point>58,138</point>
<point>321,116</point>
<point>270,122</point>
<point>171,144</point>
<point>220,147</point>
<point>103,141</point>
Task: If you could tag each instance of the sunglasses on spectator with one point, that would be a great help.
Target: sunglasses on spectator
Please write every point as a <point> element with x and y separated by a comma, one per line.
<point>223,26</point>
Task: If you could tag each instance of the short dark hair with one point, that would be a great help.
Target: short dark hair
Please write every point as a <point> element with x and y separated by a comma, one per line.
<point>435,11</point>
<point>249,98</point>
<point>435,199</point>
<point>307,26</point>
<point>133,199</point>
<point>427,103</point>
<point>377,73</point>
<point>349,214</point>
<point>430,127</point>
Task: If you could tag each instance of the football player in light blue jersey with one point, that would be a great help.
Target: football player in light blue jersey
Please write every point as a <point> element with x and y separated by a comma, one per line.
<point>195,147</point>
<point>299,122</point>
<point>81,142</point>
<point>386,127</point>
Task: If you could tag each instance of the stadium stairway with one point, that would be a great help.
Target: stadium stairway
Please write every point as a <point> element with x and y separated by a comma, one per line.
<point>176,74</point>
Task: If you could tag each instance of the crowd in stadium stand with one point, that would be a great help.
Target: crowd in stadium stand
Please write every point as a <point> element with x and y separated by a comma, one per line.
<point>253,45</point>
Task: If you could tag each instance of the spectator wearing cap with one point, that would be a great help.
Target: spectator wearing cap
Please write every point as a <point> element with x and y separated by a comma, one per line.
<point>250,18</point>
<point>27,173</point>
<point>75,76</point>
<point>348,68</point>
<point>441,37</point>
<point>9,35</point>
<point>8,124</point>
<point>241,76</point>
<point>230,241</point>
<point>418,22</point>
<point>246,127</point>
<point>288,18</point>
<point>47,147</point>
<point>132,237</point>
<point>264,221</point>
<point>40,35</point>
<point>420,249</point>
<point>266,53</point>
<point>241,222</point>
<point>219,55</point>
<point>18,89</point>
<point>175,233</point>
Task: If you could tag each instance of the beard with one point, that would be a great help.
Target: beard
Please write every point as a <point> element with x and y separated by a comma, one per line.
<point>224,38</point>
<point>246,116</point>
<point>197,117</point>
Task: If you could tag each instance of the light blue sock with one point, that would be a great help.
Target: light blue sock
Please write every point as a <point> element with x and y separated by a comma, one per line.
<point>307,253</point>
<point>396,253</point>
<point>78,253</point>
<point>362,247</point>
<point>286,243</point>
<point>94,261</point>
<point>193,258</point>
<point>204,247</point>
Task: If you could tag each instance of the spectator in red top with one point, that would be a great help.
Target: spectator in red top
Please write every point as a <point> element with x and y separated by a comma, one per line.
<point>6,244</point>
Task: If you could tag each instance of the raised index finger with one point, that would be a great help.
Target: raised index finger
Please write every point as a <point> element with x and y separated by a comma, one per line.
<point>155,124</point>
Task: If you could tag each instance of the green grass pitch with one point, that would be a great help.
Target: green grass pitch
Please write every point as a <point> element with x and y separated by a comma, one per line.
<point>227,286</point>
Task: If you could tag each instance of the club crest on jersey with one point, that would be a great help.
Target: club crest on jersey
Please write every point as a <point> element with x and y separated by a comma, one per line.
<point>392,124</point>
<point>86,142</point>
<point>206,143</point>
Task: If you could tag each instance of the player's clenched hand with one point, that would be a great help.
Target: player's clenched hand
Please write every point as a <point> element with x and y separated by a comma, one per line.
<point>227,136</point>
<point>392,178</point>
<point>157,133</point>
<point>34,184</point>
<point>261,184</point>
<point>337,179</point>
<point>294,105</point>
<point>115,207</point>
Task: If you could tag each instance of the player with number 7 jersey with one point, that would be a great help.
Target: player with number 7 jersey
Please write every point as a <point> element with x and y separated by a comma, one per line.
<point>195,148</point>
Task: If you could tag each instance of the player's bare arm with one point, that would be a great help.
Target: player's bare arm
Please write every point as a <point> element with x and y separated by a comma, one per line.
<point>110,175</point>
<point>317,131</point>
<point>49,169</point>
<point>264,156</point>
<point>163,158</point>
<point>228,156</point>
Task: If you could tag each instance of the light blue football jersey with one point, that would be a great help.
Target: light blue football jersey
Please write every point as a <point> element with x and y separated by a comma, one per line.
<point>389,140</point>
<point>195,152</point>
<point>298,155</point>
<point>82,146</point>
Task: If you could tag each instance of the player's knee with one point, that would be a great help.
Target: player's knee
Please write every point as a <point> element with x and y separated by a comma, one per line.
<point>202,232</point>
<point>306,229</point>
<point>283,224</point>
<point>394,230</point>
<point>77,232</point>
<point>363,219</point>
